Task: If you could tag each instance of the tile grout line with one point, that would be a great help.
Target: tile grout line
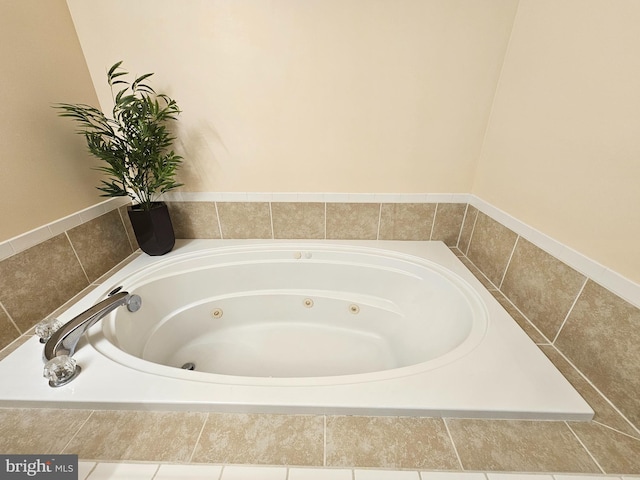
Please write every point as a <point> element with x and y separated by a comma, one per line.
<point>473,230</point>
<point>616,430</point>
<point>464,219</point>
<point>585,447</point>
<point>506,268</point>
<point>453,444</point>
<point>273,236</point>
<point>215,205</point>
<point>325,220</point>
<point>66,234</point>
<point>6,312</point>
<point>195,445</point>
<point>433,222</point>
<point>379,221</point>
<point>95,465</point>
<point>637,439</point>
<point>155,474</point>
<point>566,317</point>
<point>78,431</point>
<point>324,440</point>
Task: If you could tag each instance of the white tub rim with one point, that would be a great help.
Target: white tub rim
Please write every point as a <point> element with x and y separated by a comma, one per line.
<point>507,377</point>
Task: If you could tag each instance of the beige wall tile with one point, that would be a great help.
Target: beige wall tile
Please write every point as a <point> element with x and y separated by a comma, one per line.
<point>541,286</point>
<point>601,337</point>
<point>37,431</point>
<point>126,221</point>
<point>529,329</point>
<point>604,412</point>
<point>138,435</point>
<point>261,439</point>
<point>194,219</point>
<point>106,275</point>
<point>389,442</point>
<point>491,246</point>
<point>298,219</point>
<point>467,228</point>
<point>72,301</point>
<point>477,273</point>
<point>522,446</point>
<point>448,222</point>
<point>245,219</point>
<point>614,452</point>
<point>8,331</point>
<point>406,221</point>
<point>100,243</point>
<point>353,221</point>
<point>35,282</point>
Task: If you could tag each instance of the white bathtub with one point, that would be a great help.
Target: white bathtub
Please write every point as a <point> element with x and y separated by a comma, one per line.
<point>363,327</point>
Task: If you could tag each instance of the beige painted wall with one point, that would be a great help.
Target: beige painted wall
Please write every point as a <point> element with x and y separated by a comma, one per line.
<point>314,95</point>
<point>44,170</point>
<point>562,151</point>
<point>348,96</point>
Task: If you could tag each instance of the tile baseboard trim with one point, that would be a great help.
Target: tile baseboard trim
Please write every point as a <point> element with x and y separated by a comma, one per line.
<point>316,197</point>
<point>609,279</point>
<point>38,235</point>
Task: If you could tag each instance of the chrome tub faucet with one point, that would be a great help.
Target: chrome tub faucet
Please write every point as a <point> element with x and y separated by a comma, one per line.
<point>61,340</point>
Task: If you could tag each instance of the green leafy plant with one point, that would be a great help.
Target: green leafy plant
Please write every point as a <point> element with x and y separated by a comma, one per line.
<point>135,143</point>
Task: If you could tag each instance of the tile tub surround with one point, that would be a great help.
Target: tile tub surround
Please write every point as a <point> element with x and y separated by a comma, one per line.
<point>328,441</point>
<point>38,280</point>
<point>597,332</point>
<point>319,220</point>
<point>587,331</point>
<point>612,330</point>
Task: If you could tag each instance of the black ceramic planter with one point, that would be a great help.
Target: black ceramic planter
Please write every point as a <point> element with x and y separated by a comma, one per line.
<point>153,228</point>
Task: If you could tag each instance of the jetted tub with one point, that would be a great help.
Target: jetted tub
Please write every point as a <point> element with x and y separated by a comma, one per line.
<point>304,327</point>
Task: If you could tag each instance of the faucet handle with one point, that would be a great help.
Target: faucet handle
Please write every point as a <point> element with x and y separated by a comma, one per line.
<point>47,327</point>
<point>60,370</point>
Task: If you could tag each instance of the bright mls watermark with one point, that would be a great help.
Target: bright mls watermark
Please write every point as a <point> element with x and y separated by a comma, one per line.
<point>49,467</point>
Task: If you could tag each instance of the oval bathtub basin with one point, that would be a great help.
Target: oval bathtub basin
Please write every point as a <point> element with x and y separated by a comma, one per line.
<point>281,313</point>
<point>325,327</point>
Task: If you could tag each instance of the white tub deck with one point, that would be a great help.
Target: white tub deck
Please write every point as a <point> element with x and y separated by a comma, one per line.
<point>504,376</point>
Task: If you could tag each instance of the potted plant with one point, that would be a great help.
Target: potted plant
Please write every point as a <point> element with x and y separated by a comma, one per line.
<point>136,147</point>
